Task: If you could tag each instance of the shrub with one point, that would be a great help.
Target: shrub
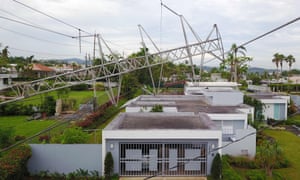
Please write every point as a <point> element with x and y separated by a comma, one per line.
<point>216,168</point>
<point>108,166</point>
<point>242,162</point>
<point>16,109</point>
<point>80,87</point>
<point>48,105</point>
<point>6,137</point>
<point>157,108</point>
<point>72,136</point>
<point>13,164</point>
<point>227,172</point>
<point>19,138</point>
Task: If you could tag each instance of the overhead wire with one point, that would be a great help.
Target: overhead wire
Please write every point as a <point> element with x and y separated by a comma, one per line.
<point>12,14</point>
<point>41,53</point>
<point>261,36</point>
<point>52,17</point>
<point>36,38</point>
<point>37,27</point>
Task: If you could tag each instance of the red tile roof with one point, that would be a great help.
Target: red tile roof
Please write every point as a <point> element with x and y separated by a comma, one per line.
<point>40,67</point>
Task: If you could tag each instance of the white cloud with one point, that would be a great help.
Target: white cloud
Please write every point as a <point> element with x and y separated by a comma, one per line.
<point>238,22</point>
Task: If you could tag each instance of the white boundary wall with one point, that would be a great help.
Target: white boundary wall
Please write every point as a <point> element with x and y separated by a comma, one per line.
<point>65,158</point>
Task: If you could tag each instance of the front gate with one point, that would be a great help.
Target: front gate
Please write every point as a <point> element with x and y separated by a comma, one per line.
<point>167,159</point>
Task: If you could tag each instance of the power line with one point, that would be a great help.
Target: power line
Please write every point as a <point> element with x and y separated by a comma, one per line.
<point>12,14</point>
<point>52,17</point>
<point>261,36</point>
<point>40,53</point>
<point>37,27</point>
<point>36,38</point>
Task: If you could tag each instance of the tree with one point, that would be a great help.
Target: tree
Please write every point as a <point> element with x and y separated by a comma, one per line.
<point>4,58</point>
<point>278,60</point>
<point>216,167</point>
<point>290,60</point>
<point>108,166</point>
<point>237,64</point>
<point>268,155</point>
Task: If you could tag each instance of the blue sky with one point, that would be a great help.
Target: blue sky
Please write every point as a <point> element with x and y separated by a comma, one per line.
<point>117,20</point>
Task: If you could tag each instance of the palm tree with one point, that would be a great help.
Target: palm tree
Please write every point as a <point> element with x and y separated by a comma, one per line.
<point>234,50</point>
<point>290,60</point>
<point>278,60</point>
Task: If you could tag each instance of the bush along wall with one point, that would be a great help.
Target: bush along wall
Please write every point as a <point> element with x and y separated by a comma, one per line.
<point>13,164</point>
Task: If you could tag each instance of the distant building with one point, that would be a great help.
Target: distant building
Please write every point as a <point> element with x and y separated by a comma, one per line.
<point>295,79</point>
<point>41,71</point>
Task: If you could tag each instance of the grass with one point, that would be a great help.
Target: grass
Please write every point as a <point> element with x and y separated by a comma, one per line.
<point>80,96</point>
<point>290,145</point>
<point>22,127</point>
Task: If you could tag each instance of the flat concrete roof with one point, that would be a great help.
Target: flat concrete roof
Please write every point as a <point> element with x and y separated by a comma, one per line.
<point>184,103</point>
<point>212,84</point>
<point>265,96</point>
<point>209,109</point>
<point>147,121</point>
<point>168,100</point>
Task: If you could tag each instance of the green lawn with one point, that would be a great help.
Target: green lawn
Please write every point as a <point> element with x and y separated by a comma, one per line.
<point>23,127</point>
<point>80,96</point>
<point>290,144</point>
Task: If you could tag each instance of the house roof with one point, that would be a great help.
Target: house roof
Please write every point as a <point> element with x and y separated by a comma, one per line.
<point>265,96</point>
<point>146,121</point>
<point>183,103</point>
<point>40,67</point>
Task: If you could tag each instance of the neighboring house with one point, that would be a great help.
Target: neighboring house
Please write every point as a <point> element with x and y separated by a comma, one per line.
<point>262,88</point>
<point>7,77</point>
<point>217,77</point>
<point>231,120</point>
<point>295,79</point>
<point>168,144</point>
<point>41,71</point>
<point>219,93</point>
<point>275,106</point>
<point>6,80</point>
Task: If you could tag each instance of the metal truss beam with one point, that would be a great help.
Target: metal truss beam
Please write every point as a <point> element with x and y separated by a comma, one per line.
<point>110,69</point>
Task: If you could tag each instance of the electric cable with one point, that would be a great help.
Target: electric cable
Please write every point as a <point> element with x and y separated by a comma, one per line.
<point>36,38</point>
<point>37,27</point>
<point>52,17</point>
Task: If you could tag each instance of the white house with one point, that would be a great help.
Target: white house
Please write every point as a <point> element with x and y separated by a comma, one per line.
<point>231,120</point>
<point>275,106</point>
<point>167,144</point>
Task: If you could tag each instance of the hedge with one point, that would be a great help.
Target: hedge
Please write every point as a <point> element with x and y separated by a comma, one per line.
<point>13,164</point>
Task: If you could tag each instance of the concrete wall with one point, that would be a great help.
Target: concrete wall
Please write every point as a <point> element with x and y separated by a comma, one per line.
<point>230,98</point>
<point>65,158</point>
<point>240,147</point>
